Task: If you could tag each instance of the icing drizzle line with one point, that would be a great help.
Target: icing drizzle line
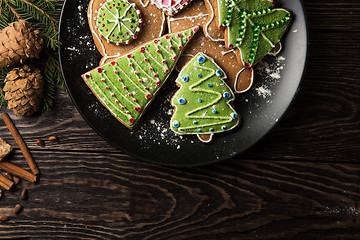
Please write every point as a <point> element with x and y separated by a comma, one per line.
<point>194,88</point>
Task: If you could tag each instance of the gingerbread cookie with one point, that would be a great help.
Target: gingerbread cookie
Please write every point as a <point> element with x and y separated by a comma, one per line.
<point>239,78</point>
<point>170,7</point>
<point>252,27</point>
<point>202,104</point>
<point>120,26</point>
<point>127,85</point>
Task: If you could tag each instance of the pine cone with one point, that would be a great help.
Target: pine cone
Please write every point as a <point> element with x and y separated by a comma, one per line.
<point>24,90</point>
<point>19,42</point>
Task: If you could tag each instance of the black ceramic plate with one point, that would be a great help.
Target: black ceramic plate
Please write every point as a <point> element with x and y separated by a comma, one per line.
<point>278,79</point>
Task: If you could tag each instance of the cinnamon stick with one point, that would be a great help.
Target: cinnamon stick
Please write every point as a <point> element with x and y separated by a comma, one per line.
<point>5,182</point>
<point>20,142</point>
<point>18,171</point>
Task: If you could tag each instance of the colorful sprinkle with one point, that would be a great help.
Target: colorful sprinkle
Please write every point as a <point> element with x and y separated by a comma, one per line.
<point>185,78</point>
<point>223,127</point>
<point>219,73</point>
<point>209,85</point>
<point>182,101</point>
<point>201,59</point>
<point>234,115</point>
<point>214,111</point>
<point>199,75</point>
<point>227,95</point>
<point>176,124</point>
<point>195,122</point>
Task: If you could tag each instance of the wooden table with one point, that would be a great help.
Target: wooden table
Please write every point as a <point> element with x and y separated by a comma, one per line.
<point>302,181</point>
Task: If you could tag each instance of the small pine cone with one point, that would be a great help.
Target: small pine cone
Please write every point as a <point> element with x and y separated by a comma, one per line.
<point>24,90</point>
<point>19,42</point>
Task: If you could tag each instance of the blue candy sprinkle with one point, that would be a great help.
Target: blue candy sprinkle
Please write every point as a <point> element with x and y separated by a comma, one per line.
<point>199,75</point>
<point>199,130</point>
<point>219,73</point>
<point>195,122</point>
<point>199,100</point>
<point>182,101</point>
<point>223,127</point>
<point>185,78</point>
<point>201,59</point>
<point>211,129</point>
<point>227,95</point>
<point>234,115</point>
<point>214,111</point>
<point>176,124</point>
<point>209,85</point>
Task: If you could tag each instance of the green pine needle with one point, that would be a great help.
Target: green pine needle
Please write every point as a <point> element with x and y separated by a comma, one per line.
<point>40,13</point>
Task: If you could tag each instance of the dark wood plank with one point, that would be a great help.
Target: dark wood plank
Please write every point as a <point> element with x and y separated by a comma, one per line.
<point>83,195</point>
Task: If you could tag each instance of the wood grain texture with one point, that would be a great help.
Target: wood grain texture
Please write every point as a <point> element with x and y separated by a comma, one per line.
<point>302,181</point>
<point>112,195</point>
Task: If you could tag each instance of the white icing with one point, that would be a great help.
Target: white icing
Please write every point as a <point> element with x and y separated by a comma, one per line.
<point>237,79</point>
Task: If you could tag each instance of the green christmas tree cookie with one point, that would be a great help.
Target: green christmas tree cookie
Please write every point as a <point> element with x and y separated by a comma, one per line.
<point>202,104</point>
<point>253,26</point>
<point>118,21</point>
<point>128,84</point>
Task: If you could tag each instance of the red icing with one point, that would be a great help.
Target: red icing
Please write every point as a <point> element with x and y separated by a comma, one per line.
<point>171,47</point>
<point>167,70</point>
<point>103,80</point>
<point>122,107</point>
<point>150,68</point>
<point>129,56</point>
<point>158,83</point>
<point>158,51</point>
<point>116,101</point>
<point>174,57</point>
<point>189,37</point>
<point>129,94</point>
<point>138,109</point>
<point>124,87</point>
<point>119,79</point>
<point>145,59</point>
<point>163,61</point>
<point>180,47</point>
<point>99,70</point>
<point>135,73</point>
<point>142,49</point>
<point>134,100</point>
<point>167,37</point>
<point>107,88</point>
<point>113,63</point>
<point>148,96</point>
<point>155,75</point>
<point>156,41</point>
<point>131,120</point>
<point>87,75</point>
<point>179,34</point>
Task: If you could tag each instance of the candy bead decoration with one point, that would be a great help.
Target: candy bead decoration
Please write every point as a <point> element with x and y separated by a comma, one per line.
<point>254,26</point>
<point>206,111</point>
<point>127,85</point>
<point>118,21</point>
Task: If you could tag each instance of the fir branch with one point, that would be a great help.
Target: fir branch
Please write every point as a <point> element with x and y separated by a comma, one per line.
<point>48,17</point>
<point>14,12</point>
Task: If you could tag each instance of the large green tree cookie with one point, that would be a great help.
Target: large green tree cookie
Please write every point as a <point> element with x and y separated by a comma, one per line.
<point>202,104</point>
<point>254,26</point>
<point>118,21</point>
<point>128,84</point>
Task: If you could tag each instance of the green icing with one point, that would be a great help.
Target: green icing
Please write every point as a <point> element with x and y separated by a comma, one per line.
<point>202,103</point>
<point>118,21</point>
<point>127,85</point>
<point>254,26</point>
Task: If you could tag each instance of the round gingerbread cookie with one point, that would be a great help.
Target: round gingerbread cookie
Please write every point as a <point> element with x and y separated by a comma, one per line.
<point>151,26</point>
<point>240,79</point>
<point>118,21</point>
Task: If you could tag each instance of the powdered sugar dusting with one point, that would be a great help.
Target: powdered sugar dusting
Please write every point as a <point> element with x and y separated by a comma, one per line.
<point>263,91</point>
